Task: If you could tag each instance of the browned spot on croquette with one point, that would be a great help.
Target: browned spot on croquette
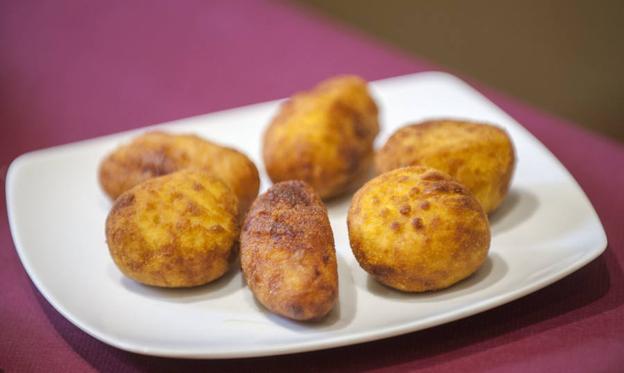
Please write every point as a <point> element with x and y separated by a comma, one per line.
<point>464,202</point>
<point>425,205</point>
<point>156,162</point>
<point>438,187</point>
<point>432,176</point>
<point>193,208</point>
<point>296,311</point>
<point>168,249</point>
<point>182,224</point>
<point>216,228</point>
<point>435,222</point>
<point>326,258</point>
<point>405,210</point>
<point>280,230</point>
<point>197,187</point>
<point>124,201</point>
<point>292,193</point>
<point>274,282</point>
<point>380,270</point>
<point>417,223</point>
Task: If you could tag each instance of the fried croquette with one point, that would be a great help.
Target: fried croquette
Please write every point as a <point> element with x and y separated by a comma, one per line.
<point>416,229</point>
<point>323,136</point>
<point>480,156</point>
<point>177,230</point>
<point>287,252</point>
<point>157,153</point>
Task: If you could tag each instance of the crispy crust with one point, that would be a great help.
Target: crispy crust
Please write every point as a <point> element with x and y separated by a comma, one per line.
<point>415,229</point>
<point>478,155</point>
<point>324,136</point>
<point>177,230</point>
<point>156,153</point>
<point>287,252</point>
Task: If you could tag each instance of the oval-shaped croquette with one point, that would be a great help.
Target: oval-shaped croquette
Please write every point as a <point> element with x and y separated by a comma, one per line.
<point>323,136</point>
<point>157,153</point>
<point>416,229</point>
<point>478,155</point>
<point>287,252</point>
<point>177,230</point>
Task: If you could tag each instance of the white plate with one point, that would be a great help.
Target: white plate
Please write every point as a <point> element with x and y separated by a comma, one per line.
<point>545,230</point>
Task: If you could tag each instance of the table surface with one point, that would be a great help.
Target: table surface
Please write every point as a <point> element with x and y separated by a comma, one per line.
<point>73,70</point>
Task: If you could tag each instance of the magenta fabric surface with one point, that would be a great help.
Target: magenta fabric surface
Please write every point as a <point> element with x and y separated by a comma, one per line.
<point>71,70</point>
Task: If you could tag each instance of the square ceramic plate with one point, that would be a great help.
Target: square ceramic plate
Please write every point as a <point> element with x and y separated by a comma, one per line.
<point>545,230</point>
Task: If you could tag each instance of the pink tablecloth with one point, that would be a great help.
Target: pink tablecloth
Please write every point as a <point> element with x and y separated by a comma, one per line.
<point>71,70</point>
